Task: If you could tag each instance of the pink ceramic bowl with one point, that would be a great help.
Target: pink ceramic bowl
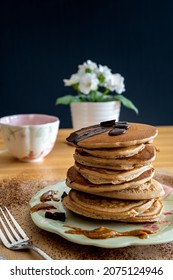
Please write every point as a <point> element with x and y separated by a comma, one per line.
<point>29,137</point>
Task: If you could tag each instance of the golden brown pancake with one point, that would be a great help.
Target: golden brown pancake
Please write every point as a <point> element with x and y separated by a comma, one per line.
<point>151,215</point>
<point>144,157</point>
<point>151,189</point>
<point>148,190</point>
<point>76,181</point>
<point>113,152</point>
<point>136,134</point>
<point>96,207</point>
<point>104,176</point>
<point>136,190</point>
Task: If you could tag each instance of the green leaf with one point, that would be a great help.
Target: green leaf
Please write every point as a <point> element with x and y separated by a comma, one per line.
<point>126,102</point>
<point>96,97</point>
<point>66,100</point>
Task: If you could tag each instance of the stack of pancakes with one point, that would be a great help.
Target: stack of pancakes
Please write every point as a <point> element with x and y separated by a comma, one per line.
<point>112,177</point>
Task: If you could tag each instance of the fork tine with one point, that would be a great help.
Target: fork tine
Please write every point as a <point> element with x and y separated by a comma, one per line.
<point>3,238</point>
<point>20,230</point>
<point>7,231</point>
<point>10,226</point>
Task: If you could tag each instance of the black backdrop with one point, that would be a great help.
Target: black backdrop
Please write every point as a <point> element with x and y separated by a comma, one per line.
<point>42,42</point>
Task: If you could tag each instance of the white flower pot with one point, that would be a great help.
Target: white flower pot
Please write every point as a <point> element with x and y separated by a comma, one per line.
<point>89,113</point>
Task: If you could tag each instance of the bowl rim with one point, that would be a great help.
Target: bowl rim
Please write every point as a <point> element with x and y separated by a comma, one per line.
<point>54,120</point>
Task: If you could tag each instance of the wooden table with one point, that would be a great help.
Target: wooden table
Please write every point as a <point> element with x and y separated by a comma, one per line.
<point>19,181</point>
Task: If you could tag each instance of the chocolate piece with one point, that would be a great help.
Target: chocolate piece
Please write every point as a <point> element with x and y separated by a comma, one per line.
<point>116,131</point>
<point>58,216</point>
<point>75,138</point>
<point>72,138</point>
<point>121,125</point>
<point>108,123</point>
<point>63,195</point>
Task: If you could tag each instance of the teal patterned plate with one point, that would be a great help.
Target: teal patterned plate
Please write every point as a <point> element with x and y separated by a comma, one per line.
<point>163,228</point>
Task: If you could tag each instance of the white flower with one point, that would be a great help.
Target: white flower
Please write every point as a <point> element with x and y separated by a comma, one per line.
<point>104,70</point>
<point>104,73</point>
<point>116,83</point>
<point>90,76</point>
<point>88,82</point>
<point>88,65</point>
<point>74,79</point>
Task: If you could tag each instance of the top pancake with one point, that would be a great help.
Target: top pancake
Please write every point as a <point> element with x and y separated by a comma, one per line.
<point>136,134</point>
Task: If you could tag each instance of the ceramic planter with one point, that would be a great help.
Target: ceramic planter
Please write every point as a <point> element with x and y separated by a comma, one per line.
<point>88,113</point>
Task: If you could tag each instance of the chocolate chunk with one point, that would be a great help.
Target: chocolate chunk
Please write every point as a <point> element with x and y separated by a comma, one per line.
<point>72,137</point>
<point>116,131</point>
<point>58,216</point>
<point>121,125</point>
<point>75,138</point>
<point>108,123</point>
<point>63,195</point>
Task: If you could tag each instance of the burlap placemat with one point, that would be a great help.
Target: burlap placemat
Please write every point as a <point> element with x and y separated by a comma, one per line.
<point>15,194</point>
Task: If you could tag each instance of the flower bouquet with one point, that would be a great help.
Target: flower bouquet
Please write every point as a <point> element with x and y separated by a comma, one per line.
<point>96,83</point>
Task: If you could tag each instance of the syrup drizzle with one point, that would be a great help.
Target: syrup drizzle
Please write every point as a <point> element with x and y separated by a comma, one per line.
<point>42,206</point>
<point>104,232</point>
<point>48,196</point>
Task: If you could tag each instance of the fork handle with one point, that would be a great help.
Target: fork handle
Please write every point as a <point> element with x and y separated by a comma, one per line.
<point>39,251</point>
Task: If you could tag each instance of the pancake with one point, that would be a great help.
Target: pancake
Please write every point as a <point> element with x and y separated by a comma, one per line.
<point>144,157</point>
<point>148,190</point>
<point>104,176</point>
<point>114,152</point>
<point>151,215</point>
<point>136,190</point>
<point>136,134</point>
<point>76,181</point>
<point>95,207</point>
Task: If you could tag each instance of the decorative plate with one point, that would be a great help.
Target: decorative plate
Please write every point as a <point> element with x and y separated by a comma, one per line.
<point>163,228</point>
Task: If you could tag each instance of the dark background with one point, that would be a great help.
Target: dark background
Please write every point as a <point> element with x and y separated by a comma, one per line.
<point>42,42</point>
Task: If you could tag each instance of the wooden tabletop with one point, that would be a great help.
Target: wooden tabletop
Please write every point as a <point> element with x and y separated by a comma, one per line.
<point>28,178</point>
<point>53,167</point>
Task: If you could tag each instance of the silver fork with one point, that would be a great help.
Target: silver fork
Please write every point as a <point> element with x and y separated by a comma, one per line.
<point>13,237</point>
